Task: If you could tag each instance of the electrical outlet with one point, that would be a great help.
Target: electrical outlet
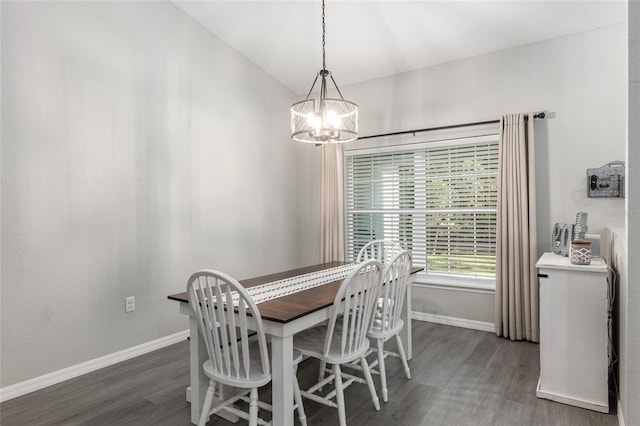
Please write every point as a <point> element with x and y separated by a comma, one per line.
<point>130,304</point>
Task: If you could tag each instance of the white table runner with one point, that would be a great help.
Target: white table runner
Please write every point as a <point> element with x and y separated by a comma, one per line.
<point>273,290</point>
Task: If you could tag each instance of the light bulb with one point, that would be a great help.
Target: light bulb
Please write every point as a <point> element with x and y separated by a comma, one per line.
<point>311,119</point>
<point>333,120</point>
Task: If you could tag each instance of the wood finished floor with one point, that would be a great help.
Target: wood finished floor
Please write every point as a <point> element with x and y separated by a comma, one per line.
<point>459,377</point>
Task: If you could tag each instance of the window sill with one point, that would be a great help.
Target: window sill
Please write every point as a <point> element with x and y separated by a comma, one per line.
<point>479,285</point>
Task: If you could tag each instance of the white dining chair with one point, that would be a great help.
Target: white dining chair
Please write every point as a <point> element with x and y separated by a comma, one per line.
<point>343,338</point>
<point>387,320</point>
<point>236,358</point>
<point>381,250</point>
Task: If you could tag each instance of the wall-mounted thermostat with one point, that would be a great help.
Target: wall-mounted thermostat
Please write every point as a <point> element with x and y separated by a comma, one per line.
<point>606,181</point>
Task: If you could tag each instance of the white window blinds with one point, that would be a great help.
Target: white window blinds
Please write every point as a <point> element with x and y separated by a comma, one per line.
<point>437,199</point>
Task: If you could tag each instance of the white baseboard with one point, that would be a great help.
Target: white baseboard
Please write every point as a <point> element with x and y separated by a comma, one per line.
<point>620,414</point>
<point>602,407</point>
<point>41,382</point>
<point>457,322</point>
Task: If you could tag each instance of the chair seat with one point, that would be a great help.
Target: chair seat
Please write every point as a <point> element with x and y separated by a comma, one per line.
<point>377,331</point>
<point>311,342</point>
<point>256,378</point>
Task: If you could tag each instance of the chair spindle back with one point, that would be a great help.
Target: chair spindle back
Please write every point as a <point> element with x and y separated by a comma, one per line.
<point>381,250</point>
<point>353,308</point>
<point>394,289</point>
<point>226,339</point>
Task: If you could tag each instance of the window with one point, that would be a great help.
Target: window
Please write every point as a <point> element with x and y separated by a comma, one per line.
<point>437,198</point>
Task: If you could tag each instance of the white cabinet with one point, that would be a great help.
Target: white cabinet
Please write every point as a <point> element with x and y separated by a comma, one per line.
<point>574,350</point>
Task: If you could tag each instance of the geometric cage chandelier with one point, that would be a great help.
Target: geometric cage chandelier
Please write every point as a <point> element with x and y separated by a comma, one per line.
<point>324,120</point>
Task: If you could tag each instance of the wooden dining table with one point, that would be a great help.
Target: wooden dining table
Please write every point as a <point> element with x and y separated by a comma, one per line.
<point>282,318</point>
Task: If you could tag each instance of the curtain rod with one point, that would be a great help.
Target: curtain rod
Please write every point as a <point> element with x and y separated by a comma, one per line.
<point>452,126</point>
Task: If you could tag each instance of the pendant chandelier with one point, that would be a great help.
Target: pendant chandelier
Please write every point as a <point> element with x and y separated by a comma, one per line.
<point>324,120</point>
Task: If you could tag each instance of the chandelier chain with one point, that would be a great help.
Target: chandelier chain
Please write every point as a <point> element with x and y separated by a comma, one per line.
<point>324,120</point>
<point>324,64</point>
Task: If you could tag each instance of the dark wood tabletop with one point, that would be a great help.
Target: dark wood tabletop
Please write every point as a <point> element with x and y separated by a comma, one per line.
<point>292,306</point>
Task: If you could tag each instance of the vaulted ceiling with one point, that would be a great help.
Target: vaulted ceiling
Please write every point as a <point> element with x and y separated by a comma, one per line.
<point>371,39</point>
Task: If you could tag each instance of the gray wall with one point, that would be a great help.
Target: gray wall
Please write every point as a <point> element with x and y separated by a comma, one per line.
<point>579,80</point>
<point>136,148</point>
<point>630,396</point>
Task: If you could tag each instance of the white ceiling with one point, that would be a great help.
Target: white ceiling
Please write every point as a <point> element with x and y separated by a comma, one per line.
<point>368,39</point>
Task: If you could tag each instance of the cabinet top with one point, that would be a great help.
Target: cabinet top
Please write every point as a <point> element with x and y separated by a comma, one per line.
<point>556,261</point>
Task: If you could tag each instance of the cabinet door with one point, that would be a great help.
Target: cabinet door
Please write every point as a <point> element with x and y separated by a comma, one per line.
<point>573,335</point>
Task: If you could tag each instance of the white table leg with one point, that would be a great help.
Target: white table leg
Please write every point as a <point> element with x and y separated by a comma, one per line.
<point>405,334</point>
<point>282,380</point>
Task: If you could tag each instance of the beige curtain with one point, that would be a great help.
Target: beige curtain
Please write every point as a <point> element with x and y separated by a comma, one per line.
<point>516,308</point>
<point>332,205</point>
